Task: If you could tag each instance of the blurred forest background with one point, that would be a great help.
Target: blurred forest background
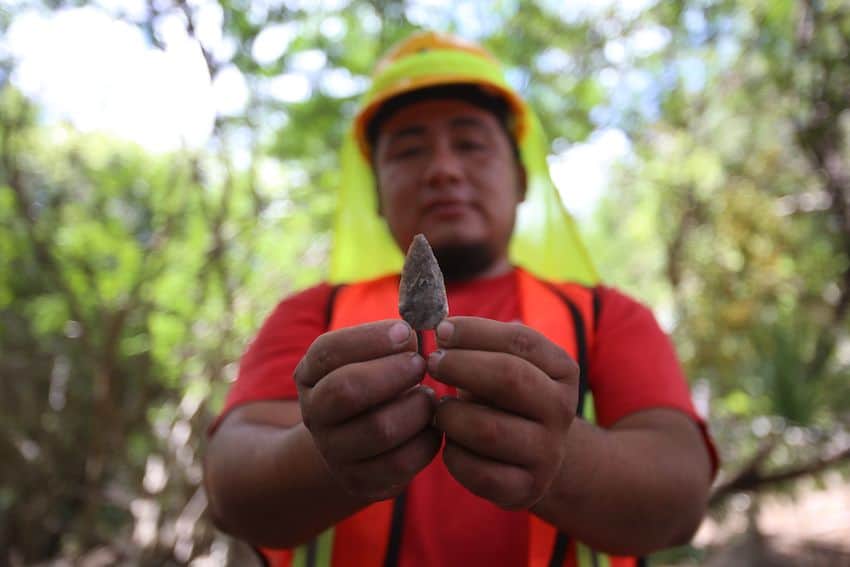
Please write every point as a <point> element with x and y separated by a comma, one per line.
<point>133,274</point>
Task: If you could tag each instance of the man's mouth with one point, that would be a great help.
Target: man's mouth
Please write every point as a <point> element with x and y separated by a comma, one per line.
<point>447,209</point>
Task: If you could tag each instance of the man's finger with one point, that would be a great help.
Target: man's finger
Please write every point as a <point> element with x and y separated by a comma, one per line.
<point>354,388</point>
<point>476,333</point>
<point>492,433</point>
<point>353,344</point>
<point>498,379</point>
<point>382,430</point>
<point>506,485</point>
<point>388,473</point>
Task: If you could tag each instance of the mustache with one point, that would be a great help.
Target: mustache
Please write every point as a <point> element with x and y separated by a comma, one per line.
<point>460,262</point>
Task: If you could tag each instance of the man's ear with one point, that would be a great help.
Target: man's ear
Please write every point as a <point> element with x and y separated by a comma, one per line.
<point>374,163</point>
<point>380,208</point>
<point>522,180</point>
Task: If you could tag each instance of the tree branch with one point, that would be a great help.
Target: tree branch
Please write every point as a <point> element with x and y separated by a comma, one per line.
<point>753,480</point>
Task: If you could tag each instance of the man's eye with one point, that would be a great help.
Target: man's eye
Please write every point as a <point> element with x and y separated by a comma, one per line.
<point>470,145</point>
<point>408,152</point>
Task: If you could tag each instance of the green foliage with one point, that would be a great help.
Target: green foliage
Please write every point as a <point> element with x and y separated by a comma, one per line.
<point>733,220</point>
<point>131,284</point>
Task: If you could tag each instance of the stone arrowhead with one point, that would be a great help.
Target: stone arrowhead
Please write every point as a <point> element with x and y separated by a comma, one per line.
<point>422,294</point>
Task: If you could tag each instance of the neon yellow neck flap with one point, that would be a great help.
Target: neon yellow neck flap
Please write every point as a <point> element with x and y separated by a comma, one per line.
<point>545,241</point>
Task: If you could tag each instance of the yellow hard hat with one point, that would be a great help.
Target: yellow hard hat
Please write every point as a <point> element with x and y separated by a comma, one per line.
<point>429,59</point>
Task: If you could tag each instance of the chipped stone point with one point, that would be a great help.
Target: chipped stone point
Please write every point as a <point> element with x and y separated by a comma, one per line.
<point>422,298</point>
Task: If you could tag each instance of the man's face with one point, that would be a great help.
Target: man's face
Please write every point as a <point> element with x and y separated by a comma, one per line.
<point>446,168</point>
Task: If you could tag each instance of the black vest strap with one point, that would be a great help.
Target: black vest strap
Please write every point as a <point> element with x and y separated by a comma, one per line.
<point>329,307</point>
<point>311,554</point>
<point>562,540</point>
<point>396,529</point>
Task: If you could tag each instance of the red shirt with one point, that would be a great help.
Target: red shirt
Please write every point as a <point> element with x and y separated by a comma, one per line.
<point>633,367</point>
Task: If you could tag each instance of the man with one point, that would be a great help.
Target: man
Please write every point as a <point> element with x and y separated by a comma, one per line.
<point>345,441</point>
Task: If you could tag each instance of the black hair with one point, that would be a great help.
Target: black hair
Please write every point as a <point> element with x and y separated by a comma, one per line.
<point>467,92</point>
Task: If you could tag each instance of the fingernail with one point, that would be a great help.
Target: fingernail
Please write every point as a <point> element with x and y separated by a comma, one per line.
<point>434,359</point>
<point>417,361</point>
<point>399,333</point>
<point>444,331</point>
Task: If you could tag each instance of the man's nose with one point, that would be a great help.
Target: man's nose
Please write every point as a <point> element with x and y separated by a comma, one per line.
<point>444,167</point>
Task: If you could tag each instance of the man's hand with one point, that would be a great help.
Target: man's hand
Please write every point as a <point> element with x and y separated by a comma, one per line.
<point>369,418</point>
<point>506,431</point>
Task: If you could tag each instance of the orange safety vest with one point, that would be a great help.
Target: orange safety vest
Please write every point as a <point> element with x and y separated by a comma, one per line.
<point>566,315</point>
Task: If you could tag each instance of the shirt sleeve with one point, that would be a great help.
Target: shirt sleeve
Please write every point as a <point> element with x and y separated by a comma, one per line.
<point>633,365</point>
<point>267,366</point>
